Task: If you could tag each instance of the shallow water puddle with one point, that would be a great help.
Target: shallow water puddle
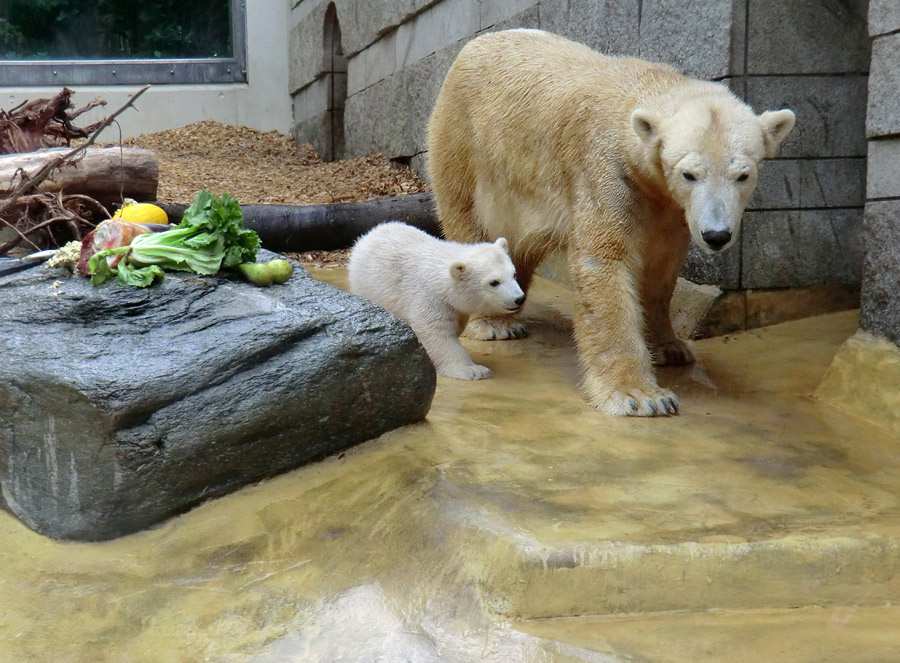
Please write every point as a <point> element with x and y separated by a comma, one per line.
<point>514,499</point>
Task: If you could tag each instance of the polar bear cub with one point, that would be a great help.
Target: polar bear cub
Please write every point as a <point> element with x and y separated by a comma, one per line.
<point>435,286</point>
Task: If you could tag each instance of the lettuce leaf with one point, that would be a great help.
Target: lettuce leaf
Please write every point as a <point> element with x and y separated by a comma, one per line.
<point>211,236</point>
<point>140,277</point>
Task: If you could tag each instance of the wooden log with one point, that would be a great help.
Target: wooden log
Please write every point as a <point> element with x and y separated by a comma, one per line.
<point>106,174</point>
<point>326,227</point>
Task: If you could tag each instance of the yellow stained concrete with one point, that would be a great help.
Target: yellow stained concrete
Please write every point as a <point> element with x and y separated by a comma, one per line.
<point>864,379</point>
<point>514,500</point>
<point>842,634</point>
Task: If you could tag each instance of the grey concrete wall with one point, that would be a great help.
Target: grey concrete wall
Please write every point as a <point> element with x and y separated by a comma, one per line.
<point>802,227</point>
<point>880,307</point>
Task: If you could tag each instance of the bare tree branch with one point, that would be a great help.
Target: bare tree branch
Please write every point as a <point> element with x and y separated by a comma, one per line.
<point>34,180</point>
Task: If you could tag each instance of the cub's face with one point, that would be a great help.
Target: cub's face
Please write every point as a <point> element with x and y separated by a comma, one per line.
<point>486,281</point>
<point>709,155</point>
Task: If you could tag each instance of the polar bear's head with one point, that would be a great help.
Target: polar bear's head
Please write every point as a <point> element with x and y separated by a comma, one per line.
<point>709,152</point>
<point>484,281</point>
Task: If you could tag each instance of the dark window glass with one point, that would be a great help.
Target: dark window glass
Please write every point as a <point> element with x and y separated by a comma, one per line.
<point>115,29</point>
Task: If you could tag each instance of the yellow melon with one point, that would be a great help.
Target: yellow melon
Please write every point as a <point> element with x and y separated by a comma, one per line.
<point>141,213</point>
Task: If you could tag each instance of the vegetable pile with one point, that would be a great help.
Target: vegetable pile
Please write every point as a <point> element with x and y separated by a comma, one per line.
<point>211,236</point>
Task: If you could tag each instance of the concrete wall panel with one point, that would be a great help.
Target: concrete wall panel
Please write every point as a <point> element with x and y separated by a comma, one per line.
<point>880,306</point>
<point>884,17</point>
<point>829,109</point>
<point>883,117</point>
<point>807,37</point>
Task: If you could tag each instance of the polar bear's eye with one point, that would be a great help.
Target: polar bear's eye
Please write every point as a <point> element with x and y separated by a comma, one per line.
<point>494,283</point>
<point>743,177</point>
<point>690,177</point>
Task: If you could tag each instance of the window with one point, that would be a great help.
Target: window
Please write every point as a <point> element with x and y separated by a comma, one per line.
<point>127,42</point>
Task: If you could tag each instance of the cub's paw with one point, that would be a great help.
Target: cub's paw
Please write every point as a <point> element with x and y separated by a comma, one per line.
<point>673,353</point>
<point>628,401</point>
<point>495,329</point>
<point>466,372</point>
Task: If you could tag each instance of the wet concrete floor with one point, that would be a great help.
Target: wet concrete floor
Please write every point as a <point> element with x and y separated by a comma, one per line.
<point>517,524</point>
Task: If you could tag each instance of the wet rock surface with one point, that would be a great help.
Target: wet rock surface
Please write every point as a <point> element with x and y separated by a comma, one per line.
<point>120,407</point>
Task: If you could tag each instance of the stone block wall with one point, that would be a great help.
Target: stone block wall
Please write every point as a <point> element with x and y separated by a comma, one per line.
<point>803,226</point>
<point>880,306</point>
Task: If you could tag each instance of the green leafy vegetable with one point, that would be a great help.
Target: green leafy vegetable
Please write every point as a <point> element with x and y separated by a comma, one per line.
<point>211,235</point>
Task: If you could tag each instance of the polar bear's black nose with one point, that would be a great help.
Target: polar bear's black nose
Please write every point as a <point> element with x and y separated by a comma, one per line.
<point>716,239</point>
<point>520,300</point>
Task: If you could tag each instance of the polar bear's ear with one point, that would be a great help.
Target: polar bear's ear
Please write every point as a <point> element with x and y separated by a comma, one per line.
<point>457,269</point>
<point>645,124</point>
<point>776,125</point>
<point>503,244</point>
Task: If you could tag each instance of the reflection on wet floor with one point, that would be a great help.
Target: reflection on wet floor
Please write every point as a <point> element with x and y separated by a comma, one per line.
<point>677,539</point>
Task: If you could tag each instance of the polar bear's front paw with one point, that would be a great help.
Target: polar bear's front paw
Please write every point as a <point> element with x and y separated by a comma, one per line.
<point>495,329</point>
<point>636,401</point>
<point>467,372</point>
<point>673,353</point>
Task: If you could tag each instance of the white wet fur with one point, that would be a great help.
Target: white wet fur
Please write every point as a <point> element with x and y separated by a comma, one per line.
<point>435,286</point>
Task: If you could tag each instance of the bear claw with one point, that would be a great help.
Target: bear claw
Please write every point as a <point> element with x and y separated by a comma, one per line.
<point>673,353</point>
<point>664,403</point>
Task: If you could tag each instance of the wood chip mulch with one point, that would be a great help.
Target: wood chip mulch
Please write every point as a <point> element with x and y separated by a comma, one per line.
<point>258,167</point>
<point>266,168</point>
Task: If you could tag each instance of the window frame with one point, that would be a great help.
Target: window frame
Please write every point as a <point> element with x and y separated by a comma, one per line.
<point>30,73</point>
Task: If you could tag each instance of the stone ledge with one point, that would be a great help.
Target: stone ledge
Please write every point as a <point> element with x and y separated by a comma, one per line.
<point>739,310</point>
<point>824,634</point>
<point>524,576</point>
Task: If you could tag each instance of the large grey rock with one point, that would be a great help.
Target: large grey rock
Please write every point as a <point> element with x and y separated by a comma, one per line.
<point>707,268</point>
<point>883,118</point>
<point>120,407</point>
<point>880,305</point>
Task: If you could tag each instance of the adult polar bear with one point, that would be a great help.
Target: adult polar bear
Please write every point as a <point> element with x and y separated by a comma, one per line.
<point>618,161</point>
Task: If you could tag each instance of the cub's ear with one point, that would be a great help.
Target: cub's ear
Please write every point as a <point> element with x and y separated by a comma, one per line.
<point>503,244</point>
<point>645,124</point>
<point>457,270</point>
<point>776,125</point>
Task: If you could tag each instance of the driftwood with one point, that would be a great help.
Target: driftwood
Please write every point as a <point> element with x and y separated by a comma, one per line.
<point>105,174</point>
<point>18,218</point>
<point>327,227</point>
<point>41,123</point>
<point>47,220</point>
